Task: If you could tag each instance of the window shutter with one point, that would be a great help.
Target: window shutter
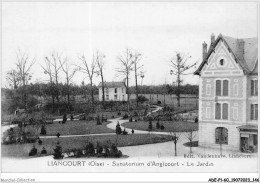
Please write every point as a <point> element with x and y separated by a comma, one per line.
<point>225,88</point>
<point>252,87</point>
<point>225,111</point>
<point>256,111</point>
<point>252,111</point>
<point>218,111</point>
<point>218,88</point>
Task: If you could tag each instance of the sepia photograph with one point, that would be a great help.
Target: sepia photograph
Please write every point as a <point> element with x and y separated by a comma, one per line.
<point>129,87</point>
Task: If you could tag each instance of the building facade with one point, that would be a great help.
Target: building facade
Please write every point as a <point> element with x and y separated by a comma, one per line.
<point>114,91</point>
<point>228,94</point>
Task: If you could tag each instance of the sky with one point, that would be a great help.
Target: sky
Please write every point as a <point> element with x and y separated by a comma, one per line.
<point>155,29</point>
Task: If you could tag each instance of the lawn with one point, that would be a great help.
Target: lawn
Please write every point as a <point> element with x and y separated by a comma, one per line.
<point>70,143</point>
<point>77,128</point>
<point>170,126</point>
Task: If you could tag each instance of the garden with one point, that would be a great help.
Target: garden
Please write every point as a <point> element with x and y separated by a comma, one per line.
<point>71,145</point>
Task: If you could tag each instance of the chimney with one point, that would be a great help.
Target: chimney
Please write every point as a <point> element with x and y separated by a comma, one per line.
<point>204,50</point>
<point>212,38</point>
<point>241,47</point>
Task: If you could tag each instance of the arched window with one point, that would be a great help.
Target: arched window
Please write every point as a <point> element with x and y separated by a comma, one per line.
<point>221,135</point>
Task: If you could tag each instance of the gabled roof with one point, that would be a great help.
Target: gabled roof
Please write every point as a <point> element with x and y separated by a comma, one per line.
<point>112,84</point>
<point>247,58</point>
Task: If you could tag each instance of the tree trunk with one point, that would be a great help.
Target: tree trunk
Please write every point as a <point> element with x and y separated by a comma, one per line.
<point>103,90</point>
<point>68,96</point>
<point>190,146</point>
<point>175,147</point>
<point>127,92</point>
<point>178,91</point>
<point>136,86</point>
<point>92,98</point>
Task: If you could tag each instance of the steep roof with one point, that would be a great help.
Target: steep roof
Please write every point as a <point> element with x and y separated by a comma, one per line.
<point>246,56</point>
<point>112,84</point>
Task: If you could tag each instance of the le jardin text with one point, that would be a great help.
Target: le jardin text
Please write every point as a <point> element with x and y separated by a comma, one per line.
<point>127,164</point>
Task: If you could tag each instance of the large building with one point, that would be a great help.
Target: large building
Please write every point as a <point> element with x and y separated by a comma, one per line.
<point>228,94</point>
<point>114,91</point>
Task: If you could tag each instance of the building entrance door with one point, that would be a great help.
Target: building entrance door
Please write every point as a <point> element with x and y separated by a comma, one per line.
<point>248,143</point>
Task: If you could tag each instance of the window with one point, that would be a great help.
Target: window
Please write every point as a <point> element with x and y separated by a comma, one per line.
<point>254,112</point>
<point>221,114</point>
<point>254,87</point>
<point>115,97</point>
<point>107,97</point>
<point>225,87</point>
<point>235,113</point>
<point>225,111</point>
<point>221,135</point>
<point>208,89</point>
<point>222,87</point>
<point>235,90</point>
<point>221,62</point>
<point>207,112</point>
<point>218,111</point>
<point>115,90</point>
<point>218,88</point>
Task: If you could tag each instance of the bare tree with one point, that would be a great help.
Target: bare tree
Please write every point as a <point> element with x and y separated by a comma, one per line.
<point>126,66</point>
<point>13,79</point>
<point>179,67</point>
<point>175,138</point>
<point>191,135</point>
<point>136,59</point>
<point>52,68</point>
<point>89,69</point>
<point>69,73</point>
<point>48,70</point>
<point>24,65</point>
<point>100,72</point>
<point>57,67</point>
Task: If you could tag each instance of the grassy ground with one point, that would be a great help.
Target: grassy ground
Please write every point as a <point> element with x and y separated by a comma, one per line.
<point>70,143</point>
<point>77,128</point>
<point>170,126</point>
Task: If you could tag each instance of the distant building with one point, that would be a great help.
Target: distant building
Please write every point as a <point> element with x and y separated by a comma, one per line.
<point>19,111</point>
<point>114,91</point>
<point>228,94</point>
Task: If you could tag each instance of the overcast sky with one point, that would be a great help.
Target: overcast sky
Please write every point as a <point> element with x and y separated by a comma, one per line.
<point>156,29</point>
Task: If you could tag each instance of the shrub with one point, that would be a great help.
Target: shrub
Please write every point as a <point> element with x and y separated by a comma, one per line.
<point>125,116</point>
<point>131,119</point>
<point>118,129</point>
<point>150,126</point>
<point>98,120</point>
<point>119,113</point>
<point>125,132</point>
<point>115,152</point>
<point>58,152</point>
<point>90,151</point>
<point>162,127</point>
<point>43,130</point>
<point>99,149</point>
<point>158,125</point>
<point>142,99</point>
